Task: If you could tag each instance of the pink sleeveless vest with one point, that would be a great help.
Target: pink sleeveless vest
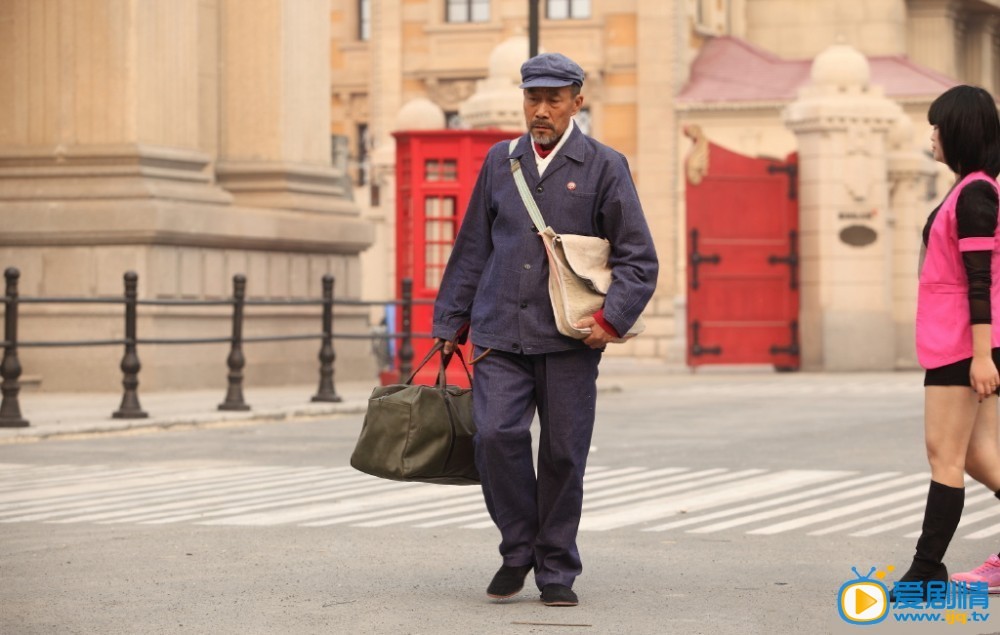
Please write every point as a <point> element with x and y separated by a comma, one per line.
<point>944,334</point>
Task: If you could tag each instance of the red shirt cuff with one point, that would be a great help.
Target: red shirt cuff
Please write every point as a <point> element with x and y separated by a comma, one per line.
<point>599,318</point>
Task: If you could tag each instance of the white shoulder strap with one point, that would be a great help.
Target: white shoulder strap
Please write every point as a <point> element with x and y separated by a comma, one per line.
<point>522,187</point>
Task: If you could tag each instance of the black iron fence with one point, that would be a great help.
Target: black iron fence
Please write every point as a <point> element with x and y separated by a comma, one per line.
<point>10,367</point>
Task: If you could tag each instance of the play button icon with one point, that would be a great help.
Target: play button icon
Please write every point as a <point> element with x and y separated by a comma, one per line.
<point>863,602</point>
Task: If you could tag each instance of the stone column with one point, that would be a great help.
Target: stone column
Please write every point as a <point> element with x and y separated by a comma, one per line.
<point>657,60</point>
<point>274,103</point>
<point>387,53</point>
<point>980,63</point>
<point>846,246</point>
<point>92,107</point>
<point>112,116</point>
<point>932,34</point>
<point>910,175</point>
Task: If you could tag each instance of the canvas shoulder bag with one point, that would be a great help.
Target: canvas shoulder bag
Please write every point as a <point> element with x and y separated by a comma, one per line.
<point>579,275</point>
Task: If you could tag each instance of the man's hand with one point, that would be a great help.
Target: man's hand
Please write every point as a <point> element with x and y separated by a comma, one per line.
<point>598,338</point>
<point>448,346</point>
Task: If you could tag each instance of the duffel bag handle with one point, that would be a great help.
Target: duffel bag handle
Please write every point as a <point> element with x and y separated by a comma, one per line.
<point>445,360</point>
<point>438,346</point>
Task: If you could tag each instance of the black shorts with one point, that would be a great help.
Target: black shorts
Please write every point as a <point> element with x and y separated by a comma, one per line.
<point>956,373</point>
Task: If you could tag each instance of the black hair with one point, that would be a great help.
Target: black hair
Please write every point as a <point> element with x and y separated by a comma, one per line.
<point>968,130</point>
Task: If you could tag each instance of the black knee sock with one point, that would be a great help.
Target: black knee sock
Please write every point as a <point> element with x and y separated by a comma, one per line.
<point>941,518</point>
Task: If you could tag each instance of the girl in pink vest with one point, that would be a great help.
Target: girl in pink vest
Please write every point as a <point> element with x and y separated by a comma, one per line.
<point>958,329</point>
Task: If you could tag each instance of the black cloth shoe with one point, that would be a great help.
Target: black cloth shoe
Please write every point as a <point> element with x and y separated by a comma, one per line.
<point>508,581</point>
<point>558,595</point>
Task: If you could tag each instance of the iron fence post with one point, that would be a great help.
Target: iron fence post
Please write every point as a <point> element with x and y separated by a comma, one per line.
<point>10,368</point>
<point>236,361</point>
<point>406,343</point>
<point>327,355</point>
<point>130,408</point>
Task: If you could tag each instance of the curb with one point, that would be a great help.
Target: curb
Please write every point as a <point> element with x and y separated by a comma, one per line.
<point>215,419</point>
<point>186,422</point>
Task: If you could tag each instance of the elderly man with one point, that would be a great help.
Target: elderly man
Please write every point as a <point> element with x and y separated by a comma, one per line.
<point>496,282</point>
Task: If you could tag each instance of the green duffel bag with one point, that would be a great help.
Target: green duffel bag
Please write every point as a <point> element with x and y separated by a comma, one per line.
<point>420,433</point>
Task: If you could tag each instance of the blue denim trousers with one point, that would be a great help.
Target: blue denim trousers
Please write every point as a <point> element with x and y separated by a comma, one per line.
<point>538,515</point>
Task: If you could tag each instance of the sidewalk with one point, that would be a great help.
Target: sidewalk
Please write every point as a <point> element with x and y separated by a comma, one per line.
<point>64,415</point>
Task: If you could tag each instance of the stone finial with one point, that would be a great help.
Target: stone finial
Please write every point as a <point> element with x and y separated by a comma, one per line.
<point>420,114</point>
<point>841,66</point>
<point>507,57</point>
<point>497,102</point>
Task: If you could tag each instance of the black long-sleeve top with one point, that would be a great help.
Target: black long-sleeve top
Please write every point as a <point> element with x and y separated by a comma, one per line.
<point>976,215</point>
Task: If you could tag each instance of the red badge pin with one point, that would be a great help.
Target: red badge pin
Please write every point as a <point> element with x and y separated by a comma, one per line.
<point>571,186</point>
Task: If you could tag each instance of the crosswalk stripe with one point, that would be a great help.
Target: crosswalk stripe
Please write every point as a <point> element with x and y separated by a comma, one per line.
<point>809,504</point>
<point>63,477</point>
<point>702,500</point>
<point>991,531</point>
<point>277,489</point>
<point>335,491</point>
<point>876,524</point>
<point>871,503</point>
<point>121,498</point>
<point>752,482</point>
<point>641,509</point>
<point>598,477</point>
<point>773,502</point>
<point>120,486</point>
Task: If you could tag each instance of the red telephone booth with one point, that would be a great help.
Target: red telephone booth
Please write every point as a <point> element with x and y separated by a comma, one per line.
<point>435,173</point>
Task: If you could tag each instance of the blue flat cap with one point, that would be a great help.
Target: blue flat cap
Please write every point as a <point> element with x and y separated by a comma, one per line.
<point>550,70</point>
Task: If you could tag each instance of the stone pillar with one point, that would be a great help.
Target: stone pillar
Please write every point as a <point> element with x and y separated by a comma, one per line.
<point>387,61</point>
<point>841,123</point>
<point>657,58</point>
<point>980,64</point>
<point>271,152</point>
<point>113,114</point>
<point>92,107</point>
<point>385,97</point>
<point>911,173</point>
<point>932,34</point>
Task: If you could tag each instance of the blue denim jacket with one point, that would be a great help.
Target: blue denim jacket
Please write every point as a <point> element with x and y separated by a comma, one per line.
<point>497,275</point>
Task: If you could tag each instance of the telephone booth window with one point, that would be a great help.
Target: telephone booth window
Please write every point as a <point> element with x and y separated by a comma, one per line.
<point>439,234</point>
<point>440,170</point>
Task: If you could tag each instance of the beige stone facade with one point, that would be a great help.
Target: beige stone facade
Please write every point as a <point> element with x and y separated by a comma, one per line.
<point>639,56</point>
<point>190,140</point>
<point>186,140</point>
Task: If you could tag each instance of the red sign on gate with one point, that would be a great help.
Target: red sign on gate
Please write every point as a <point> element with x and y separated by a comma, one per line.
<point>742,260</point>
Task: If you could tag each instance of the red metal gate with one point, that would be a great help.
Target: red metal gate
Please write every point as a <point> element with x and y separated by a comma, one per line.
<point>742,258</point>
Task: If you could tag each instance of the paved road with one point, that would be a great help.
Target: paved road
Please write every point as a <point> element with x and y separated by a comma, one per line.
<point>716,503</point>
